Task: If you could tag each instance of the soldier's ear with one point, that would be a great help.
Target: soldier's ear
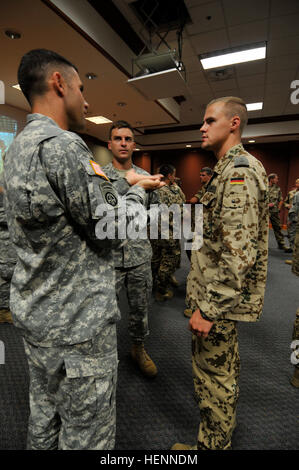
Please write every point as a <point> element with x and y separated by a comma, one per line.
<point>58,83</point>
<point>235,123</point>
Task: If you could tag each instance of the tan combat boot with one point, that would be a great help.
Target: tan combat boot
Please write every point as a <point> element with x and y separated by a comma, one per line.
<point>5,316</point>
<point>140,356</point>
<point>295,378</point>
<point>174,281</point>
<point>179,446</point>
<point>166,296</point>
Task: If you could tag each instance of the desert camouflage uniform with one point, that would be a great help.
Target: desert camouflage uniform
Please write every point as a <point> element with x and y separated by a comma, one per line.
<point>292,218</point>
<point>167,252</point>
<point>275,197</point>
<point>7,261</point>
<point>288,200</point>
<point>63,289</point>
<point>227,283</point>
<point>133,268</point>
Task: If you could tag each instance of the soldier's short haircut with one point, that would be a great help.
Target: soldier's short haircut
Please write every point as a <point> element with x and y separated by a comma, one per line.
<point>120,125</point>
<point>34,69</point>
<point>207,170</point>
<point>234,106</point>
<point>272,176</point>
<point>166,169</point>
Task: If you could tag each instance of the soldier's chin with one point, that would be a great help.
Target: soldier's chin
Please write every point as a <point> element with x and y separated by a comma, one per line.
<point>78,126</point>
<point>204,144</point>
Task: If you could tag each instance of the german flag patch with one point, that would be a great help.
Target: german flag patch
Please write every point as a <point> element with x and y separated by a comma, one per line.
<point>237,181</point>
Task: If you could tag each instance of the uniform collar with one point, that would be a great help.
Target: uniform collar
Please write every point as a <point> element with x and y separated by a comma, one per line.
<point>230,154</point>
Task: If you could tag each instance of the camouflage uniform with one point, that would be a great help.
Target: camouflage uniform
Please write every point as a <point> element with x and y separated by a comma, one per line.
<point>199,195</point>
<point>167,252</point>
<point>275,197</point>
<point>227,283</point>
<point>63,289</point>
<point>292,218</point>
<point>133,269</point>
<point>7,261</point>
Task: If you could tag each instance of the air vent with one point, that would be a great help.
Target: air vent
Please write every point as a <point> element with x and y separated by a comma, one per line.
<point>218,75</point>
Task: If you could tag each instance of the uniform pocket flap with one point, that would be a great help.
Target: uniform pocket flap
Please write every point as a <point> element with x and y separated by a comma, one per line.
<point>234,201</point>
<point>207,198</point>
<point>88,366</point>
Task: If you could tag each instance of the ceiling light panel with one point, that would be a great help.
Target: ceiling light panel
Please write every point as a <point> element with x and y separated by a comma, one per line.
<point>233,56</point>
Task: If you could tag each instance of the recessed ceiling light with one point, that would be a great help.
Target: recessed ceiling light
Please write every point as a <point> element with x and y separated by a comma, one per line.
<point>17,86</point>
<point>12,34</point>
<point>254,106</point>
<point>235,55</point>
<point>137,150</point>
<point>251,141</point>
<point>91,76</point>
<point>98,120</point>
<point>188,145</point>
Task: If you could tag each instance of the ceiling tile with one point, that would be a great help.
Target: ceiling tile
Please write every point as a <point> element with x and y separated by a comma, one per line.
<point>251,80</point>
<point>207,17</point>
<point>285,7</point>
<point>209,42</point>
<point>283,26</point>
<point>222,85</point>
<point>289,45</point>
<point>251,68</point>
<point>283,62</point>
<point>248,33</point>
<point>238,12</point>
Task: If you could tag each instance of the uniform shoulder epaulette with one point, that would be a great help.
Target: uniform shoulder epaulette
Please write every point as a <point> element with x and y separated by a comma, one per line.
<point>241,161</point>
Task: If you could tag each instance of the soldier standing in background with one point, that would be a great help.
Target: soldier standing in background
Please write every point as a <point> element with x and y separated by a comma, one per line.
<point>167,252</point>
<point>226,283</point>
<point>288,202</point>
<point>133,260</point>
<point>7,262</point>
<point>63,292</point>
<point>275,204</point>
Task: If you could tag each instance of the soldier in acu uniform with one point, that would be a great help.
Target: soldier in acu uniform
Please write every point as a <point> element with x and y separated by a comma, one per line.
<point>133,260</point>
<point>7,262</point>
<point>63,289</point>
<point>226,283</point>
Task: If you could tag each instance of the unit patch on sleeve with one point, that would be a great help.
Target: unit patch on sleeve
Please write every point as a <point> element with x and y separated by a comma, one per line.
<point>97,169</point>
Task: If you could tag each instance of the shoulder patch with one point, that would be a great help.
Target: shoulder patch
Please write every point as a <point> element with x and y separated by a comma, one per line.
<point>241,161</point>
<point>97,169</point>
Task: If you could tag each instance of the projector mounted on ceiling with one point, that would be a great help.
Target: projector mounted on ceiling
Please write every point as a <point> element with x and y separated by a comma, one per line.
<point>159,76</point>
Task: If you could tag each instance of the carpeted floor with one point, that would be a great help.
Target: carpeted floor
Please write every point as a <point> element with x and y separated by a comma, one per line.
<point>154,414</point>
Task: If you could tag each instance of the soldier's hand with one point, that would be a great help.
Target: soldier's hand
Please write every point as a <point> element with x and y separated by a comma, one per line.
<point>153,183</point>
<point>135,178</point>
<point>199,326</point>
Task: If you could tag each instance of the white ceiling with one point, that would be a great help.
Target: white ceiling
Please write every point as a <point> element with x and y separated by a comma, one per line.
<point>74,29</point>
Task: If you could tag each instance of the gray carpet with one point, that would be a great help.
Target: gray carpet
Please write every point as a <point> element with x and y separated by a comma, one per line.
<point>153,414</point>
